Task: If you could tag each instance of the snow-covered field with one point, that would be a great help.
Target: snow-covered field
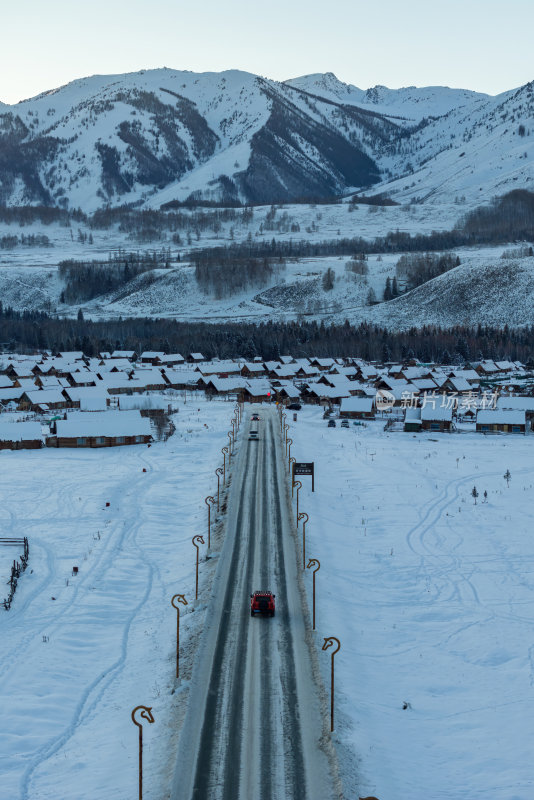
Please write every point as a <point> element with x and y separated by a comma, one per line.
<point>432,598</point>
<point>77,654</point>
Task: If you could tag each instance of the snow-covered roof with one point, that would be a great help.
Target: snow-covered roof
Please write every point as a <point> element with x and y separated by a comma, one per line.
<point>79,393</point>
<point>358,404</point>
<point>517,403</point>
<point>259,369</point>
<point>424,384</point>
<point>182,377</point>
<point>110,423</point>
<point>459,384</point>
<point>10,394</point>
<point>291,391</point>
<point>123,354</point>
<point>172,358</point>
<point>20,431</point>
<point>501,416</point>
<point>47,396</point>
<point>93,403</point>
<point>231,384</point>
<point>5,382</point>
<point>440,413</point>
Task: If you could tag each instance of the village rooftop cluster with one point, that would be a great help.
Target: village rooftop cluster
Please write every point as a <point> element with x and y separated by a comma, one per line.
<point>70,400</point>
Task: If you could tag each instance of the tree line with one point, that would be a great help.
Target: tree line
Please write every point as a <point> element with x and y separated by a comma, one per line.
<point>31,331</point>
<point>85,280</point>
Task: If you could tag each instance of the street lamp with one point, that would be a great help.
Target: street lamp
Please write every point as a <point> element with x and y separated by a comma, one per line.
<point>224,451</point>
<point>292,460</point>
<point>146,713</point>
<point>179,598</point>
<point>218,472</point>
<point>286,428</point>
<point>282,418</point>
<point>233,423</point>
<point>311,563</point>
<point>197,540</point>
<point>298,486</point>
<point>289,442</point>
<point>304,517</point>
<point>209,499</point>
<point>229,447</point>
<point>328,642</point>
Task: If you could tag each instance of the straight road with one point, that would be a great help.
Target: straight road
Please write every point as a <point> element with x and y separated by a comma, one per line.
<point>253,723</point>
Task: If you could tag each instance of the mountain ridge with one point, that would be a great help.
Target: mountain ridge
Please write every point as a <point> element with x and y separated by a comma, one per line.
<point>157,136</point>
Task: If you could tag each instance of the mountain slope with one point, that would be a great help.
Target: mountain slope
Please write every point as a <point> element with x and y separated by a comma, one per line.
<point>119,139</point>
<point>160,136</point>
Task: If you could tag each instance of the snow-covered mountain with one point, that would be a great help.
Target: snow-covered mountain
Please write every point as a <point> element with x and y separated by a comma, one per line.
<point>407,106</point>
<point>159,136</point>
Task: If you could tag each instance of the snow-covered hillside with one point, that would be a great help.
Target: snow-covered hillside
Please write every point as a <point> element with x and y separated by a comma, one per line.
<point>158,136</point>
<point>485,287</point>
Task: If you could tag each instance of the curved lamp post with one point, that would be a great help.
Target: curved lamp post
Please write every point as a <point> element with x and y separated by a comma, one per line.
<point>218,472</point>
<point>291,461</point>
<point>233,423</point>
<point>286,428</point>
<point>282,418</point>
<point>197,540</point>
<point>314,562</point>
<point>237,412</point>
<point>328,642</point>
<point>229,434</point>
<point>178,598</point>
<point>209,499</point>
<point>304,517</point>
<point>224,451</point>
<point>298,487</point>
<point>146,713</point>
<point>289,442</point>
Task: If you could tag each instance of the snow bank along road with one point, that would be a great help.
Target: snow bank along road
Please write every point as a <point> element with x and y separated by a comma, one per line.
<point>253,724</point>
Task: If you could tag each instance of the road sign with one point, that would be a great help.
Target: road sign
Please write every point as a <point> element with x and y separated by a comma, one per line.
<point>304,468</point>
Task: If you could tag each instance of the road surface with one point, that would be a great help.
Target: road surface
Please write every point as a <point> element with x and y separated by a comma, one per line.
<point>253,723</point>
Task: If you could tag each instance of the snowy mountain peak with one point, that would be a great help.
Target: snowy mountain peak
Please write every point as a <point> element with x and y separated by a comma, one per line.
<point>165,136</point>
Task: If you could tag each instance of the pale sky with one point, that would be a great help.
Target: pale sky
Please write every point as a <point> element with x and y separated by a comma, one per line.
<point>485,45</point>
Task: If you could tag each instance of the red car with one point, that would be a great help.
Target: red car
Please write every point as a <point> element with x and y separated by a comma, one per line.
<point>262,602</point>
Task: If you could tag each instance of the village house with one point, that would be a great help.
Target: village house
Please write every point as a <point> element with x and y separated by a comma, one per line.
<point>172,360</point>
<point>130,355</point>
<point>525,404</point>
<point>258,390</point>
<point>214,385</point>
<point>412,420</point>
<point>42,400</point>
<point>357,408</point>
<point>107,429</point>
<point>152,357</point>
<point>195,358</point>
<point>253,370</point>
<point>436,419</point>
<point>20,436</point>
<point>181,379</point>
<point>87,398</point>
<point>501,420</point>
